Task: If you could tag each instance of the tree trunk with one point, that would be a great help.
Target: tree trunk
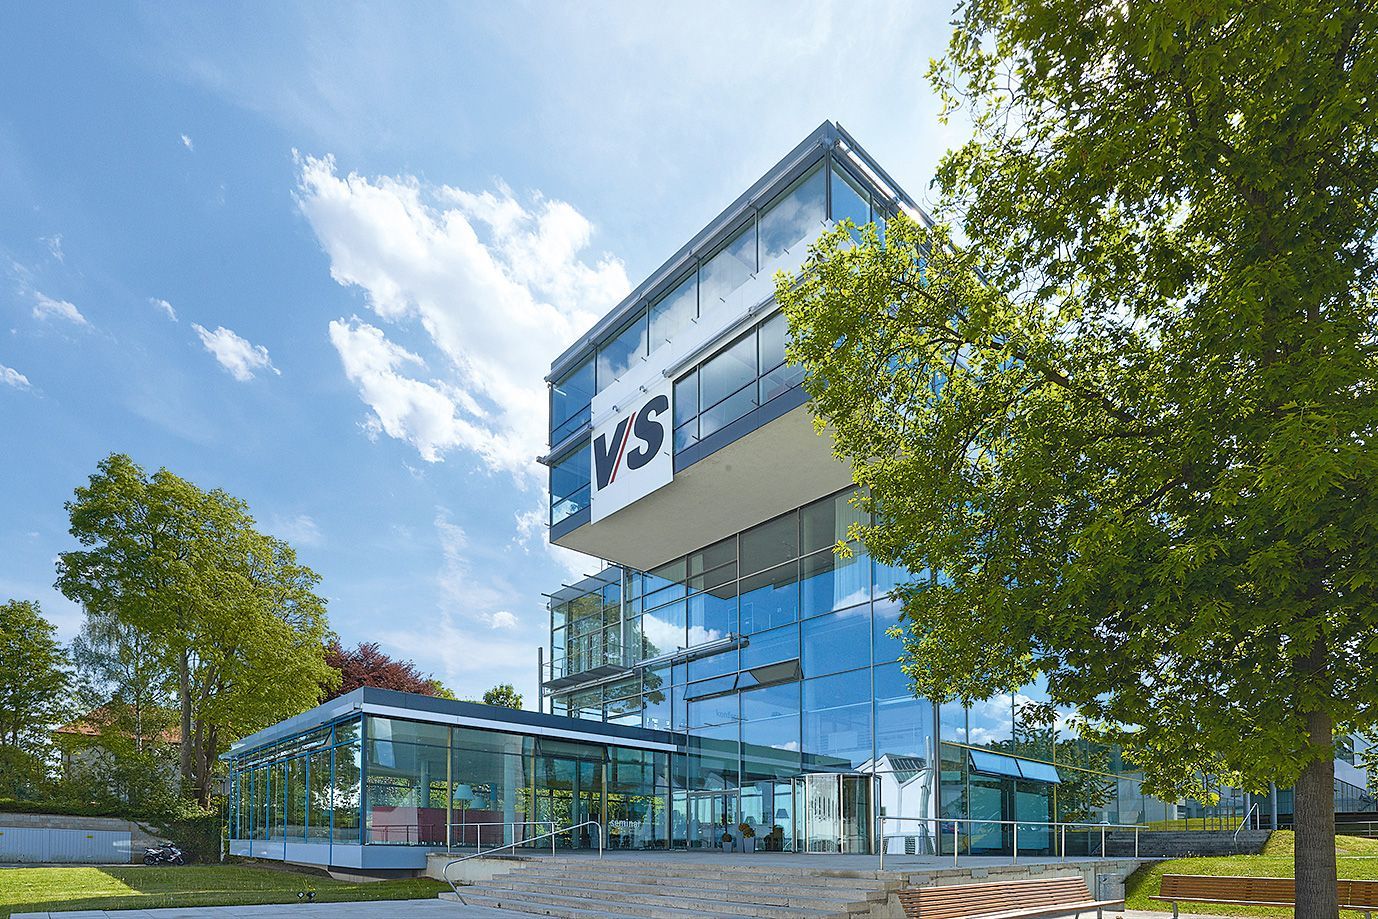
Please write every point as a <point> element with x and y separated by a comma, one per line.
<point>184,699</point>
<point>1313,819</point>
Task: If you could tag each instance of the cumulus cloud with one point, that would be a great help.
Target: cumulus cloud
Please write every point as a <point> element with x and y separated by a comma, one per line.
<point>164,306</point>
<point>186,142</point>
<point>499,285</point>
<point>46,307</point>
<point>11,377</point>
<point>237,355</point>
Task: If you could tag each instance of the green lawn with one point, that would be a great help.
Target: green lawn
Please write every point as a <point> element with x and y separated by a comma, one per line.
<point>1358,858</point>
<point>35,889</point>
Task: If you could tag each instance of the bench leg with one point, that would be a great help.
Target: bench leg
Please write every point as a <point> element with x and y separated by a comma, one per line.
<point>1174,909</point>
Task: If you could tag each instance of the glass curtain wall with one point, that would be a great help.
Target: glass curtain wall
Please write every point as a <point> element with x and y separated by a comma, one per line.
<point>424,784</point>
<point>302,790</point>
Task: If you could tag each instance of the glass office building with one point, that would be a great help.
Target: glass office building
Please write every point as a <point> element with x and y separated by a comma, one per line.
<point>725,666</point>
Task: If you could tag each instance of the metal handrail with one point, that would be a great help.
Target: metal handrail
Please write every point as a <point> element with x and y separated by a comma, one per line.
<point>445,872</point>
<point>464,825</point>
<point>1059,829</point>
<point>1242,823</point>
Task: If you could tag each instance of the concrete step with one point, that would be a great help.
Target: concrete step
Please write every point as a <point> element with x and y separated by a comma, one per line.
<point>748,902</point>
<point>811,885</point>
<point>569,907</point>
<point>649,868</point>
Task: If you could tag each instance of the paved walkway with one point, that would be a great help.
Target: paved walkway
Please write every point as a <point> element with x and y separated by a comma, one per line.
<point>378,909</point>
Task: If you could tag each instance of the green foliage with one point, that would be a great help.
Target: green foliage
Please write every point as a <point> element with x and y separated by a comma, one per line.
<point>196,830</point>
<point>1131,420</point>
<point>226,611</point>
<point>35,680</point>
<point>504,694</point>
<point>22,774</point>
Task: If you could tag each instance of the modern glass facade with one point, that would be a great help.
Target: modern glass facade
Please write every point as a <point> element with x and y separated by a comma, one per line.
<point>336,793</point>
<point>770,652</point>
<point>770,234</point>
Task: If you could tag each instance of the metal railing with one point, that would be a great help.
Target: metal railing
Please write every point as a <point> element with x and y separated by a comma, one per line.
<point>1244,822</point>
<point>478,838</point>
<point>1059,832</point>
<point>445,872</point>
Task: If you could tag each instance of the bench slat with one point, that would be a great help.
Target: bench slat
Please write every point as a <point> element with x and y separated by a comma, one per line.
<point>1031,899</point>
<point>1257,891</point>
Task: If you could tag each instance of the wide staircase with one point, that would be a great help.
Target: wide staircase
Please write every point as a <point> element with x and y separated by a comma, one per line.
<point>1185,843</point>
<point>587,888</point>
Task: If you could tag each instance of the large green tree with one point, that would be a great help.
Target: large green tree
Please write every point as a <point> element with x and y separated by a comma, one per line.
<point>228,610</point>
<point>35,685</point>
<point>1132,416</point>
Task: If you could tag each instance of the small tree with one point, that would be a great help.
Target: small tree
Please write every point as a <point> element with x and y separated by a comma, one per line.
<point>1132,418</point>
<point>505,695</point>
<point>35,681</point>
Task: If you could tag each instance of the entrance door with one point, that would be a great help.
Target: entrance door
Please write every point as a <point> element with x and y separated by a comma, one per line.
<point>710,814</point>
<point>835,812</point>
<point>571,792</point>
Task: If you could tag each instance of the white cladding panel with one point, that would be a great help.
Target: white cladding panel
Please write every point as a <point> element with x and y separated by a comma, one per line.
<point>63,846</point>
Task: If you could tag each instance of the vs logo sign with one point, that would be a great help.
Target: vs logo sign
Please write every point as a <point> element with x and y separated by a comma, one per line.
<point>646,425</point>
<point>631,455</point>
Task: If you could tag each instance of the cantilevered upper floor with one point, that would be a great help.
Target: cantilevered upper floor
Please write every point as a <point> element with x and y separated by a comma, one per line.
<point>676,419</point>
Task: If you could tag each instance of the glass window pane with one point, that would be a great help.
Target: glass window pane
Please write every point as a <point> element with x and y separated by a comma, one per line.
<point>770,337</point>
<point>837,641</point>
<point>569,401</point>
<point>728,410</point>
<point>713,614</point>
<point>729,268</point>
<point>831,582</point>
<point>850,200</point>
<point>623,350</point>
<point>663,629</point>
<point>686,398</point>
<point>674,311</point>
<point>770,599</point>
<point>770,543</point>
<point>713,665</point>
<point>837,721</point>
<point>728,371</point>
<point>825,523</point>
<point>777,382</point>
<point>794,217</point>
<point>569,484</point>
<point>885,615</point>
<point>717,710</point>
<point>769,647</point>
<point>297,795</point>
<point>990,723</point>
<point>346,794</point>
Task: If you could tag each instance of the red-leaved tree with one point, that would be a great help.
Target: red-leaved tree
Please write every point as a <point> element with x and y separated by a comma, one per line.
<point>367,665</point>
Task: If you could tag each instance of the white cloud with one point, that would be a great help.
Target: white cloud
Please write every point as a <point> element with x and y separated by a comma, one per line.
<point>498,285</point>
<point>164,306</point>
<point>46,307</point>
<point>502,619</point>
<point>186,142</point>
<point>54,244</point>
<point>11,377</point>
<point>299,530</point>
<point>238,356</point>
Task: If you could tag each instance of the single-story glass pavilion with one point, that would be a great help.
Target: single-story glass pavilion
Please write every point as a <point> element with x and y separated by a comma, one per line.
<point>375,779</point>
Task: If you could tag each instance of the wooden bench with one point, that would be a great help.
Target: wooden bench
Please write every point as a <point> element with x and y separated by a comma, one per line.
<point>1004,900</point>
<point>1188,888</point>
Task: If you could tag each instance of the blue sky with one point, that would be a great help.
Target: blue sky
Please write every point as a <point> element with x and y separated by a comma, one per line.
<point>321,255</point>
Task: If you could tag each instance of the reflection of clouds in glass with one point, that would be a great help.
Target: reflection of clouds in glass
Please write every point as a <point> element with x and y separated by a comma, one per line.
<point>1062,719</point>
<point>698,635</point>
<point>664,635</point>
<point>991,721</point>
<point>850,600</point>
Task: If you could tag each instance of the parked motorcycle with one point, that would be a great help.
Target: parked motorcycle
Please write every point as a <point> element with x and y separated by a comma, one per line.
<point>166,854</point>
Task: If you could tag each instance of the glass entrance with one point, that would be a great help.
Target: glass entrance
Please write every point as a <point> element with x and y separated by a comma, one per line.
<point>570,792</point>
<point>835,812</point>
<point>710,815</point>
